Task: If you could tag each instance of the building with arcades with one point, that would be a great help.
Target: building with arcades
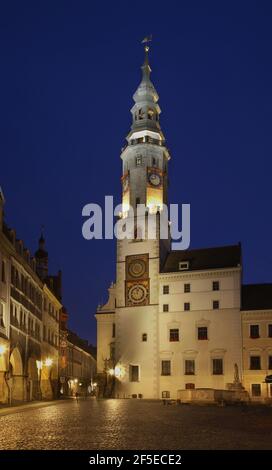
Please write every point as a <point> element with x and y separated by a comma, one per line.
<point>174,323</point>
<point>29,320</point>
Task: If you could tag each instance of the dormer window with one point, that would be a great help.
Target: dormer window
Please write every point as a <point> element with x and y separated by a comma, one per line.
<point>183,265</point>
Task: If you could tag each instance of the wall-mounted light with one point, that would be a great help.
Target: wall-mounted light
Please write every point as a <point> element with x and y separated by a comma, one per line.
<point>48,362</point>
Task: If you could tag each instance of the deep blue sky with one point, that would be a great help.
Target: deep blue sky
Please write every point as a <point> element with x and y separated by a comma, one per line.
<point>68,72</point>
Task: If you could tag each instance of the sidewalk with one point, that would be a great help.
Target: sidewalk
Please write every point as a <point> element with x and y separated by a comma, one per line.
<point>11,409</point>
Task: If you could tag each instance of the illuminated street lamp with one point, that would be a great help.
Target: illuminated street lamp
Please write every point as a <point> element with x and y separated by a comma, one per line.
<point>48,362</point>
<point>3,349</point>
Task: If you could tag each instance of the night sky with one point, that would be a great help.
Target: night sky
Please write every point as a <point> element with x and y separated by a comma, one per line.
<point>68,73</point>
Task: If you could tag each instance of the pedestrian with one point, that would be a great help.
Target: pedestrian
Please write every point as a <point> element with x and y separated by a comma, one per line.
<point>77,395</point>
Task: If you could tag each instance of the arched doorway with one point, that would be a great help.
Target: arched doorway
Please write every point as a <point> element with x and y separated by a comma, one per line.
<point>16,380</point>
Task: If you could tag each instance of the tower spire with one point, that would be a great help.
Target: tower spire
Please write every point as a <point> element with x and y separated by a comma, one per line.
<point>146,110</point>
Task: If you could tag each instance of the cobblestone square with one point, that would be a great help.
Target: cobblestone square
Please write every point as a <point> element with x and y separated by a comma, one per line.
<point>135,424</point>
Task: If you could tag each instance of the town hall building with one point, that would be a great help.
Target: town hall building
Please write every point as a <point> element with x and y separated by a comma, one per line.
<point>176,320</point>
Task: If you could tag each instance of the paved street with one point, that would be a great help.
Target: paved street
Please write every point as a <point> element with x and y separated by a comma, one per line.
<point>129,424</point>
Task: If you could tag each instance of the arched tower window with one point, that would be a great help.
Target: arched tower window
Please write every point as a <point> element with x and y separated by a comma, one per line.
<point>150,113</point>
<point>141,114</point>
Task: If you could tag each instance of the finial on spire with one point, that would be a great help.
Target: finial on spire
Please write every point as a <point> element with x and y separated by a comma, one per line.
<point>146,69</point>
<point>145,41</point>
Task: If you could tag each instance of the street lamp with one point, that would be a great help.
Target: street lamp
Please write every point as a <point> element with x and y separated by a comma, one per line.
<point>3,349</point>
<point>48,362</point>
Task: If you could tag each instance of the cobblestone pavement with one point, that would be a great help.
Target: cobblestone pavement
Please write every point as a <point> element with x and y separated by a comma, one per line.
<point>136,424</point>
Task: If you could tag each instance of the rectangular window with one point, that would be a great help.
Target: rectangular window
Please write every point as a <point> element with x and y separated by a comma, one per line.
<point>166,394</point>
<point>3,276</point>
<point>165,367</point>
<point>255,362</point>
<point>144,337</point>
<point>2,320</point>
<point>165,307</point>
<point>174,334</point>
<point>137,201</point>
<point>215,304</point>
<point>187,306</point>
<point>270,362</point>
<point>189,367</point>
<point>189,386</point>
<point>134,373</point>
<point>202,332</point>
<point>217,366</point>
<point>138,161</point>
<point>166,289</point>
<point>254,331</point>
<point>256,390</point>
<point>269,331</point>
<point>187,287</point>
<point>215,285</point>
<point>113,330</point>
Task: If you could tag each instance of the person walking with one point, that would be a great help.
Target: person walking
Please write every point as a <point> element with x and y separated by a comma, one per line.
<point>77,396</point>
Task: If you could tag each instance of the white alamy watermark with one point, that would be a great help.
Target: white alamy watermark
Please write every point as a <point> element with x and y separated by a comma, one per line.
<point>143,224</point>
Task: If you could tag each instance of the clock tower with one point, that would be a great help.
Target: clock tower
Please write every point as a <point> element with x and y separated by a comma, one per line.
<point>144,182</point>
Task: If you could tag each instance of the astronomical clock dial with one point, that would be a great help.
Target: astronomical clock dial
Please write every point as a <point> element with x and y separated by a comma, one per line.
<point>137,268</point>
<point>137,294</point>
<point>154,179</point>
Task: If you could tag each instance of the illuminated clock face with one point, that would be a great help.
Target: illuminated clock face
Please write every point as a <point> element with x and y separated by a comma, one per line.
<point>154,179</point>
<point>137,293</point>
<point>125,184</point>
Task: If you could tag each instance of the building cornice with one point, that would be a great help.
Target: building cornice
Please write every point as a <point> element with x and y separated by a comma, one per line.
<point>259,314</point>
<point>180,275</point>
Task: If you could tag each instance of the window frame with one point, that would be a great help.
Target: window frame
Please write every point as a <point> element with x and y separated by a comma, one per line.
<point>187,371</point>
<point>174,335</point>
<point>144,337</point>
<point>216,286</point>
<point>251,362</point>
<point>163,363</point>
<point>202,328</point>
<point>251,327</point>
<point>216,304</point>
<point>219,369</point>
<point>253,394</point>
<point>131,368</point>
